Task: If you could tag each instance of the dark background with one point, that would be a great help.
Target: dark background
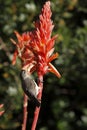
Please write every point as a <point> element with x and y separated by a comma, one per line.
<point>64,101</point>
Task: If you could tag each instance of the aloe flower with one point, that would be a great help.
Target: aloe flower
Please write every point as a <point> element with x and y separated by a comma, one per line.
<point>36,50</point>
<point>42,45</point>
<point>22,51</point>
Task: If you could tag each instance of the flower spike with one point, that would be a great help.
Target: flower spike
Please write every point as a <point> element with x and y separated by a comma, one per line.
<point>37,47</point>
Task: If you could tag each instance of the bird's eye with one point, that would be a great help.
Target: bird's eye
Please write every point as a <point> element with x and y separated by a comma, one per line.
<point>24,72</point>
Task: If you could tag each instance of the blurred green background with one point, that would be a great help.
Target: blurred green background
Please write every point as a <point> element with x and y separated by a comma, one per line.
<point>64,101</point>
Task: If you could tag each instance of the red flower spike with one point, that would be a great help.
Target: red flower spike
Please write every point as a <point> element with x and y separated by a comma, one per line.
<point>37,47</point>
<point>42,45</point>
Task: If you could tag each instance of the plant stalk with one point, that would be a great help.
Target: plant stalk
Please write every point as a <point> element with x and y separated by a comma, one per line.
<point>37,109</point>
<point>25,112</point>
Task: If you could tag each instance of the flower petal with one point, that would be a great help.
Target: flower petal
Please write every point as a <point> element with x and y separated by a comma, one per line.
<point>49,53</point>
<point>54,70</point>
<point>54,56</point>
<point>13,41</point>
<point>50,43</point>
<point>19,37</point>
<point>14,57</point>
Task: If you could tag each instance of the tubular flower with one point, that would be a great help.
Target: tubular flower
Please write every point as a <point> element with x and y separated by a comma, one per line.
<point>36,48</point>
<point>22,51</point>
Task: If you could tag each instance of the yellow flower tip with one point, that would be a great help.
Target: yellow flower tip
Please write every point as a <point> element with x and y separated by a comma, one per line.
<point>58,75</point>
<point>56,55</point>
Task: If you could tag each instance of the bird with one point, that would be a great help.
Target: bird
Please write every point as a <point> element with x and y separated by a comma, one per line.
<point>30,87</point>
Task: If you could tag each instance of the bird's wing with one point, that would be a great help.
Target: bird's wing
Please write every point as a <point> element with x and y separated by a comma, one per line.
<point>33,99</point>
<point>27,86</point>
